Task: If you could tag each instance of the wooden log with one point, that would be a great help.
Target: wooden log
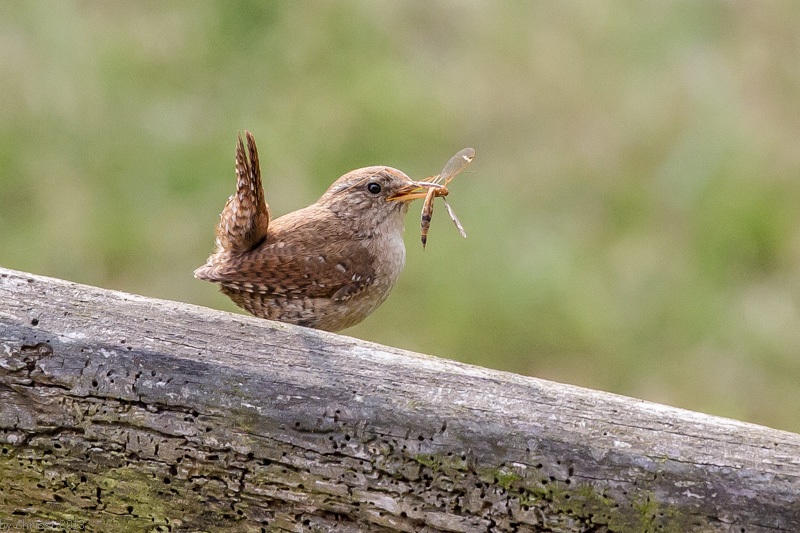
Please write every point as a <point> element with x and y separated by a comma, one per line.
<point>125,413</point>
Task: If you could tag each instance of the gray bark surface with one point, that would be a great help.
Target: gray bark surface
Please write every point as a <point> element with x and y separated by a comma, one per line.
<point>125,413</point>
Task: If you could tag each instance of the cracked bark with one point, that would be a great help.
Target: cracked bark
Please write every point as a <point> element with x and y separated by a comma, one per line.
<point>124,413</point>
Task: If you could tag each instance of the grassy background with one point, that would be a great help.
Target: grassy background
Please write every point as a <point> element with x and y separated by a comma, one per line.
<point>633,210</point>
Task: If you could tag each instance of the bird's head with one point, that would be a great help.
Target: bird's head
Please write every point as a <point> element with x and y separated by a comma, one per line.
<point>373,196</point>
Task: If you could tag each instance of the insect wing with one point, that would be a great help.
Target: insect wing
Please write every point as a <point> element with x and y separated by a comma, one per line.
<point>456,164</point>
<point>454,218</point>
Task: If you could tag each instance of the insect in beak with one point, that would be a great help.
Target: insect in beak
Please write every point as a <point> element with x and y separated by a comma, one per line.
<point>454,166</point>
<point>418,190</point>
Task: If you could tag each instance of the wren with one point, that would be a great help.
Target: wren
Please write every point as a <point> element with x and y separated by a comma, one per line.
<point>326,266</point>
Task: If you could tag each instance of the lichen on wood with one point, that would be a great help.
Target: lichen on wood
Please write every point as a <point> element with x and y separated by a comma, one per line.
<point>126,413</point>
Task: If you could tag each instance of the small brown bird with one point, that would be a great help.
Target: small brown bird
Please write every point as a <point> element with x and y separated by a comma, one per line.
<point>326,266</point>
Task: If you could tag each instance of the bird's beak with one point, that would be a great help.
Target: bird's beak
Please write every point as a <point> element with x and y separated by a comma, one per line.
<point>417,189</point>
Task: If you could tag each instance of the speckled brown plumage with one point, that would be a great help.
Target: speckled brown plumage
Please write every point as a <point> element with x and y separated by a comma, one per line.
<point>328,265</point>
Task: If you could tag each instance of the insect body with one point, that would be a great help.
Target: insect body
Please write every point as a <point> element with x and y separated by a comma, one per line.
<point>453,167</point>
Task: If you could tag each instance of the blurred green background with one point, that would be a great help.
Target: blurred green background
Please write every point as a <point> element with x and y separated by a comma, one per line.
<point>633,210</point>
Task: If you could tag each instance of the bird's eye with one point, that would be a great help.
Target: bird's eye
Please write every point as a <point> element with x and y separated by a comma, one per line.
<point>374,188</point>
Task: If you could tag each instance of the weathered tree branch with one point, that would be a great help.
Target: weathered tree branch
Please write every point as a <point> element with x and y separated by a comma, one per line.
<point>124,413</point>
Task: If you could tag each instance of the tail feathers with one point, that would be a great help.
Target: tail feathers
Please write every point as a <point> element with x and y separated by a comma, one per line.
<point>244,221</point>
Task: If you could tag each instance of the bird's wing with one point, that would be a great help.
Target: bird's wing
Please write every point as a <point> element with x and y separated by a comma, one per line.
<point>244,221</point>
<point>302,256</point>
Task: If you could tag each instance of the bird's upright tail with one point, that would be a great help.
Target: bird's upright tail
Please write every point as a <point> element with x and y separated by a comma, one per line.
<point>244,221</point>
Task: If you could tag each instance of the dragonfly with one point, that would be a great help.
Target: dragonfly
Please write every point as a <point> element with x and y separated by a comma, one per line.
<point>453,167</point>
